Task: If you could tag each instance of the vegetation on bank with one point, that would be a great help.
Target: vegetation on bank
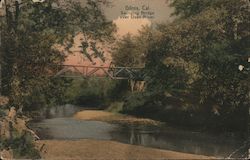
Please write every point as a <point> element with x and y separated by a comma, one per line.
<point>95,92</point>
<point>33,36</point>
<point>191,66</point>
<point>15,138</point>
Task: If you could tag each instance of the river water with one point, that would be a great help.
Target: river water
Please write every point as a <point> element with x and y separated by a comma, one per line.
<point>59,124</point>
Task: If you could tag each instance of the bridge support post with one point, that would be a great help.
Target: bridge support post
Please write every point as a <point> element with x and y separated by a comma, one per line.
<point>137,86</point>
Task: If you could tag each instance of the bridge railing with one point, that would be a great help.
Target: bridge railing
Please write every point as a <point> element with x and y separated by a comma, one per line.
<point>113,72</point>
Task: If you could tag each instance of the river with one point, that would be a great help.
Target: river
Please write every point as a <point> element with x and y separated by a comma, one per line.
<point>58,124</point>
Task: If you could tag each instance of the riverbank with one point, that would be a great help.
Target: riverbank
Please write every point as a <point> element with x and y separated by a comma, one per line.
<point>90,132</point>
<point>96,149</point>
<point>109,117</point>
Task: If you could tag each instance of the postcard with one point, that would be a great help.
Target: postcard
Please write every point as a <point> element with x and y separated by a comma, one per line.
<point>124,79</point>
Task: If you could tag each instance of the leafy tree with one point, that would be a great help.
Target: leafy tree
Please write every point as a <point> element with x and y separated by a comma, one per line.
<point>99,92</point>
<point>219,48</point>
<point>29,41</point>
<point>187,8</point>
<point>195,58</point>
<point>127,53</point>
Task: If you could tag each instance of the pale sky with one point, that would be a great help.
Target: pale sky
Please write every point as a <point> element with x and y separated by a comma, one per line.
<point>130,25</point>
<point>160,9</point>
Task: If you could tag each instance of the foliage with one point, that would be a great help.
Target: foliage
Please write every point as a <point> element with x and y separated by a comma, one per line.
<point>92,91</point>
<point>187,8</point>
<point>128,52</point>
<point>29,41</point>
<point>195,59</point>
<point>212,49</point>
<point>21,144</point>
<point>115,107</point>
<point>131,50</point>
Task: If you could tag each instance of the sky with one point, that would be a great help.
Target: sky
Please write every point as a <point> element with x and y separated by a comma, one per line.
<point>160,9</point>
<point>129,16</point>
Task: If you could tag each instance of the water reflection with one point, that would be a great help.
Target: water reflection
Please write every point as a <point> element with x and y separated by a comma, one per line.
<point>67,110</point>
<point>179,140</point>
<point>59,125</point>
<point>72,129</point>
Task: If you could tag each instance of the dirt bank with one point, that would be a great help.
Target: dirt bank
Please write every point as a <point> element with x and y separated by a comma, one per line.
<point>113,118</point>
<point>95,149</point>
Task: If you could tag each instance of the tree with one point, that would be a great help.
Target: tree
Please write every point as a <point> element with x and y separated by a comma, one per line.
<point>127,53</point>
<point>195,58</point>
<point>187,8</point>
<point>218,51</point>
<point>29,43</point>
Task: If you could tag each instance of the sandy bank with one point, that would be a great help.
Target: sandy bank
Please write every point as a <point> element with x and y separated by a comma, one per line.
<point>113,118</point>
<point>94,149</point>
